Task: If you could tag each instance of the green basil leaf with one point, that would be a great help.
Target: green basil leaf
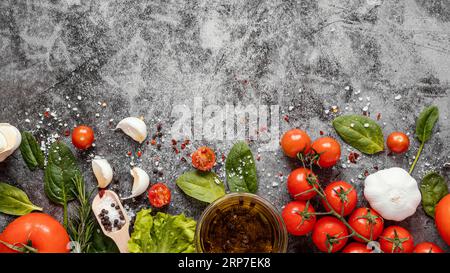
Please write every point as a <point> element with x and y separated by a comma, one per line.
<point>425,123</point>
<point>241,169</point>
<point>61,168</point>
<point>31,152</point>
<point>433,189</point>
<point>14,201</point>
<point>203,186</point>
<point>360,132</point>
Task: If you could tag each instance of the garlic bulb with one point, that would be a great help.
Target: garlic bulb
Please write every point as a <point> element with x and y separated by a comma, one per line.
<point>140,183</point>
<point>393,193</point>
<point>10,140</point>
<point>102,171</point>
<point>134,128</point>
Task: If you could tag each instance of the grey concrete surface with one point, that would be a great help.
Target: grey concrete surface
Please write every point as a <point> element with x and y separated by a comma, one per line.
<point>95,62</point>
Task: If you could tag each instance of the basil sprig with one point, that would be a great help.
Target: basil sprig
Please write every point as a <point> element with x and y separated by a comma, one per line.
<point>433,189</point>
<point>14,201</point>
<point>203,186</point>
<point>31,152</point>
<point>241,169</point>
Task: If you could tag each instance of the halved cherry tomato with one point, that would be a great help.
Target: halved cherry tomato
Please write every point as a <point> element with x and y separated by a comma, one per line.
<point>442,218</point>
<point>295,141</point>
<point>341,196</point>
<point>356,248</point>
<point>203,159</point>
<point>159,195</point>
<point>396,239</point>
<point>330,234</point>
<point>299,217</point>
<point>427,247</point>
<point>398,142</point>
<point>82,137</point>
<point>38,230</point>
<point>301,183</point>
<point>328,150</point>
<point>367,223</point>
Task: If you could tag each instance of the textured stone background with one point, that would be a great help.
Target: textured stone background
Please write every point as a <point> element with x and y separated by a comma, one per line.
<point>141,58</point>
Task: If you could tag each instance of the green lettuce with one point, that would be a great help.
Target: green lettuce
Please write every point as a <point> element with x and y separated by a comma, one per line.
<point>162,233</point>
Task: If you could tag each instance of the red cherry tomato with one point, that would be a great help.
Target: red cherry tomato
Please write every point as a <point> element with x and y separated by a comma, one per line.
<point>82,137</point>
<point>341,196</point>
<point>299,217</point>
<point>427,247</point>
<point>398,142</point>
<point>442,218</point>
<point>203,159</point>
<point>159,195</point>
<point>301,184</point>
<point>356,248</point>
<point>295,141</point>
<point>367,223</point>
<point>38,230</point>
<point>328,150</point>
<point>330,234</point>
<point>396,239</point>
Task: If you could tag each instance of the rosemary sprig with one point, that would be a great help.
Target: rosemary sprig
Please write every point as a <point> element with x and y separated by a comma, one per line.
<point>81,226</point>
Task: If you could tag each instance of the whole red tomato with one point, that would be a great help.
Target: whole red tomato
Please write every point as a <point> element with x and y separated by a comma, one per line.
<point>38,230</point>
<point>330,234</point>
<point>82,137</point>
<point>295,141</point>
<point>442,218</point>
<point>299,217</point>
<point>328,150</point>
<point>427,247</point>
<point>398,142</point>
<point>301,183</point>
<point>203,159</point>
<point>159,195</point>
<point>367,222</point>
<point>341,196</point>
<point>396,239</point>
<point>356,248</point>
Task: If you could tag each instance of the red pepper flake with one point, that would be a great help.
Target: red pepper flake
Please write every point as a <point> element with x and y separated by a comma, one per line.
<point>183,146</point>
<point>258,157</point>
<point>183,159</point>
<point>321,133</point>
<point>187,141</point>
<point>376,168</point>
<point>286,118</point>
<point>128,153</point>
<point>174,142</point>
<point>223,157</point>
<point>153,142</point>
<point>101,192</point>
<point>159,127</point>
<point>139,153</point>
<point>352,157</point>
<point>67,132</point>
<point>280,174</point>
<point>148,142</point>
<point>175,149</point>
<point>366,173</point>
<point>47,114</point>
<point>378,116</point>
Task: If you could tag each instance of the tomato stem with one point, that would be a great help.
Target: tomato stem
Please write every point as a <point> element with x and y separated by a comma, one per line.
<point>417,157</point>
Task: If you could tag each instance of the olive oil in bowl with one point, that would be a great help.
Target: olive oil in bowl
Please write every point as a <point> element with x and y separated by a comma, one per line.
<point>241,223</point>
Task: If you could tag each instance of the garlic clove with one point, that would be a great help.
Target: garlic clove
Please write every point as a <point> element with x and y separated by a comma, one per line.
<point>12,138</point>
<point>134,128</point>
<point>140,183</point>
<point>3,143</point>
<point>102,171</point>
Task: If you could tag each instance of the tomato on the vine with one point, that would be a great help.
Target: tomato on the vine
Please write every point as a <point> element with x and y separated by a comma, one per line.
<point>427,247</point>
<point>367,223</point>
<point>398,142</point>
<point>159,195</point>
<point>341,196</point>
<point>330,234</point>
<point>301,183</point>
<point>356,248</point>
<point>295,141</point>
<point>328,151</point>
<point>396,239</point>
<point>82,137</point>
<point>203,159</point>
<point>299,217</point>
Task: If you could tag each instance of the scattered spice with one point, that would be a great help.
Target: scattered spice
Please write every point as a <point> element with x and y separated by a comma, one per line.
<point>353,157</point>
<point>378,116</point>
<point>286,118</point>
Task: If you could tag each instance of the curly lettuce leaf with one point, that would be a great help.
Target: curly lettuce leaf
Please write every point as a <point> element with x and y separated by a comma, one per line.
<point>162,233</point>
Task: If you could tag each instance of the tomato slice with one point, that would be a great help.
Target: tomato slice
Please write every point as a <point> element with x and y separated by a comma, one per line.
<point>159,195</point>
<point>203,159</point>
